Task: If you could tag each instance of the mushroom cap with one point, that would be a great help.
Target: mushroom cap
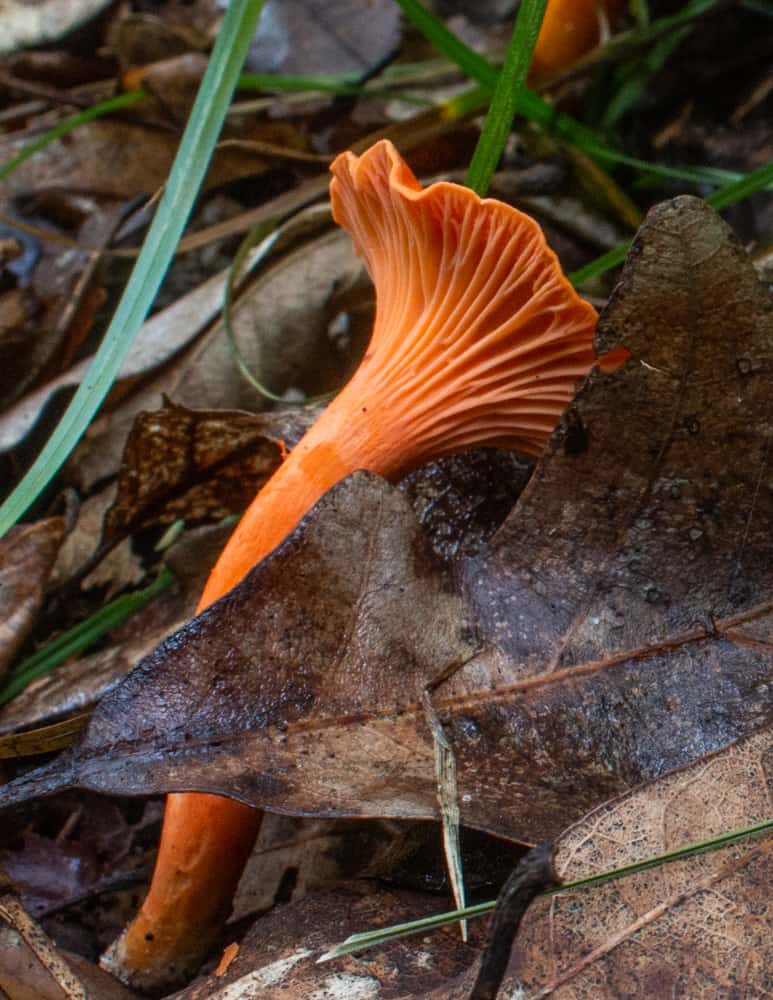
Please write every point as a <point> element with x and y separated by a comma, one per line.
<point>569,29</point>
<point>479,338</point>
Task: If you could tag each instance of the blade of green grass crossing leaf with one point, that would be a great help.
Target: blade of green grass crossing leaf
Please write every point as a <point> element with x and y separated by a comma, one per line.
<point>184,182</point>
<point>499,119</point>
<point>370,939</point>
<point>68,124</point>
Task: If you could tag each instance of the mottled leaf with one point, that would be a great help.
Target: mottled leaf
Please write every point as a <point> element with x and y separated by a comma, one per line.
<point>700,926</point>
<point>197,464</point>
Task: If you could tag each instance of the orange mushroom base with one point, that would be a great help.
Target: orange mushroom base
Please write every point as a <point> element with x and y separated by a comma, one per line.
<point>479,339</point>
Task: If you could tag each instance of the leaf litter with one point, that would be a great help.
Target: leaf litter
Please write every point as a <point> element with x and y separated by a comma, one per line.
<point>513,663</point>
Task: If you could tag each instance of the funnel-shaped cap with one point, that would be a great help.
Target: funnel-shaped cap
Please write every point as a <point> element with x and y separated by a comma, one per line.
<point>479,338</point>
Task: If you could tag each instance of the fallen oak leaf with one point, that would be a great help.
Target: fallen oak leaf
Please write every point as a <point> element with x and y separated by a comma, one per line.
<point>538,748</point>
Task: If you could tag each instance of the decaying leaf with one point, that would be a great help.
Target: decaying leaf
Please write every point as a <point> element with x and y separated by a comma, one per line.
<point>157,340</point>
<point>100,157</point>
<point>197,464</point>
<point>698,927</point>
<point>623,610</point>
<point>283,326</point>
<point>27,554</point>
<point>295,856</point>
<point>277,957</point>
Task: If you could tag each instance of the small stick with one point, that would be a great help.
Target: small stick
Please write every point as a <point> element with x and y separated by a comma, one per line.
<point>533,875</point>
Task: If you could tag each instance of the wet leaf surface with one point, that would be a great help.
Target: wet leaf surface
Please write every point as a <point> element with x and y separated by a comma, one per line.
<point>597,607</point>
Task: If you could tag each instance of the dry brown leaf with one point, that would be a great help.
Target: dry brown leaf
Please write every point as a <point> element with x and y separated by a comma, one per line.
<point>27,555</point>
<point>157,340</point>
<point>20,310</point>
<point>624,606</point>
<point>283,328</point>
<point>701,926</point>
<point>101,157</point>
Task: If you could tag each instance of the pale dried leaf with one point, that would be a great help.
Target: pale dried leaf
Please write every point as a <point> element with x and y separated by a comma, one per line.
<point>27,555</point>
<point>42,22</point>
<point>698,927</point>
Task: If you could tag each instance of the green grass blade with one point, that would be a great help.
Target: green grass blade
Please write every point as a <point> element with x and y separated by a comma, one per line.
<point>81,636</point>
<point>600,265</point>
<point>504,103</point>
<point>757,180</point>
<point>535,108</point>
<point>184,182</point>
<point>68,124</point>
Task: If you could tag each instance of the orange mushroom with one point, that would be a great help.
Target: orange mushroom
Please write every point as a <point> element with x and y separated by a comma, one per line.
<point>478,339</point>
<point>570,28</point>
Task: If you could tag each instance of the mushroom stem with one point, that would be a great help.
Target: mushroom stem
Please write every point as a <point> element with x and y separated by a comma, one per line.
<point>205,843</point>
<point>478,339</point>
